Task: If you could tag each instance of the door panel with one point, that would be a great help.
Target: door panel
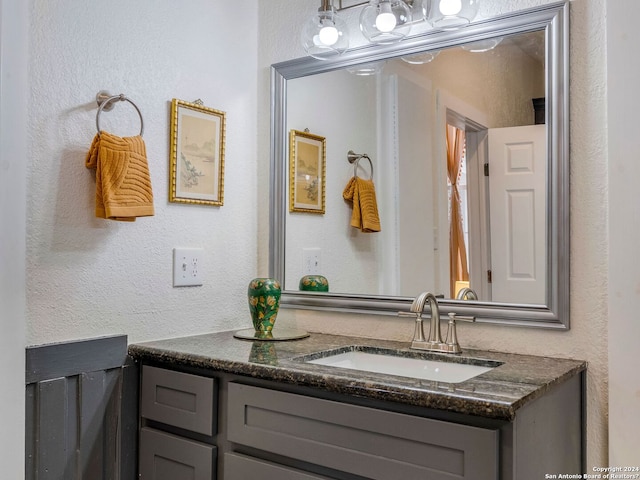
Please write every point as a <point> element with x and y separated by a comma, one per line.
<point>517,179</point>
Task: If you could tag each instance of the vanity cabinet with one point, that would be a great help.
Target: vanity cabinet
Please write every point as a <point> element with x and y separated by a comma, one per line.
<point>367,442</point>
<point>178,421</point>
<point>204,424</point>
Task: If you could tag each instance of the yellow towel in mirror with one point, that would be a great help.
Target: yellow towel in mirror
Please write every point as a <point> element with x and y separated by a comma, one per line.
<point>362,194</point>
<point>123,183</point>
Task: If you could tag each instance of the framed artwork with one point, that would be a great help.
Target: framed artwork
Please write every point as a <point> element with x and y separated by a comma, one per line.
<point>196,170</point>
<point>307,165</point>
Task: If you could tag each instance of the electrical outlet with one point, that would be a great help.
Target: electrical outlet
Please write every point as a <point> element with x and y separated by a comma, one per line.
<point>311,261</point>
<point>187,267</point>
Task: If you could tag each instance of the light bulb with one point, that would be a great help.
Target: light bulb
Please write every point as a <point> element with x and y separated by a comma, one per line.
<point>328,34</point>
<point>450,7</point>
<point>325,35</point>
<point>386,20</point>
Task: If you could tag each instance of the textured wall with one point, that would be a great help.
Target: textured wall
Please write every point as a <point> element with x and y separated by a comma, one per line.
<point>88,276</point>
<point>587,338</point>
<point>481,80</point>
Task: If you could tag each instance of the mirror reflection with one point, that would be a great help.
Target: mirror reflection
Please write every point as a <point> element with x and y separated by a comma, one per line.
<point>458,148</point>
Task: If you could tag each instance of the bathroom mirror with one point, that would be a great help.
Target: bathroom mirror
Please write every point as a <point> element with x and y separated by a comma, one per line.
<point>487,81</point>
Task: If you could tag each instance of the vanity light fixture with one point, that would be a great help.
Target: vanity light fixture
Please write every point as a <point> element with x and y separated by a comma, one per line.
<point>451,14</point>
<point>325,35</point>
<point>385,21</point>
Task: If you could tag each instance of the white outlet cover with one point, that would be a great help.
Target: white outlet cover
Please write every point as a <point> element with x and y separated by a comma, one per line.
<point>311,261</point>
<point>187,267</point>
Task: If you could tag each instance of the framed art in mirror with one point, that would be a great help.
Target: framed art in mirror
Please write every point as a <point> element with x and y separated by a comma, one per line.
<point>307,163</point>
<point>196,170</point>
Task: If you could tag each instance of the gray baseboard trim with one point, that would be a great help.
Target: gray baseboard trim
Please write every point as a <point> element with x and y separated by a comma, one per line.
<point>65,359</point>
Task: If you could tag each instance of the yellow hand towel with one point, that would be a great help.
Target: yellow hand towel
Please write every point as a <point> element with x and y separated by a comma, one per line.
<point>123,183</point>
<point>362,193</point>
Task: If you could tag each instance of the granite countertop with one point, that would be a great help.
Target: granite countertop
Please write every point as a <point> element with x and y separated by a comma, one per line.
<point>497,394</point>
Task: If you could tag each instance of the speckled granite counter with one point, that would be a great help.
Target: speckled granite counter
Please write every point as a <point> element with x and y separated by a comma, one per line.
<point>497,394</point>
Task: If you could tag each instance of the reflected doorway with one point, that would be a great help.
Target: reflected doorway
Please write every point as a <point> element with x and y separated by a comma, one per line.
<point>474,239</point>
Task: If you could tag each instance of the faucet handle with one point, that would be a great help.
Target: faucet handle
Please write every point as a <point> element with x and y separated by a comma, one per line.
<point>418,333</point>
<point>451,342</point>
<point>455,317</point>
<point>452,336</point>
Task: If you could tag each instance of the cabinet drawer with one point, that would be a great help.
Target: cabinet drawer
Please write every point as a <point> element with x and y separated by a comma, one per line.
<point>241,467</point>
<point>178,399</point>
<point>364,441</point>
<point>167,457</point>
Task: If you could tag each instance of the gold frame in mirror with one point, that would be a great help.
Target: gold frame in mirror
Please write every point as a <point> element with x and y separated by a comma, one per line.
<point>307,172</point>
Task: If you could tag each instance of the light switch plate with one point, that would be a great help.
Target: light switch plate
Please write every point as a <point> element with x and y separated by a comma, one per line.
<point>187,267</point>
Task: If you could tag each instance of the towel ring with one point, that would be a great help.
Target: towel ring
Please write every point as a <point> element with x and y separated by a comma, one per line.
<point>355,159</point>
<point>106,103</point>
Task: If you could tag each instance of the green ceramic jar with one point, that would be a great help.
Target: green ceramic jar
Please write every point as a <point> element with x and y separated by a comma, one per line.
<point>264,301</point>
<point>314,283</point>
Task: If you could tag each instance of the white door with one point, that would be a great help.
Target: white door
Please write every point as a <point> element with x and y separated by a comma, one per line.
<point>517,199</point>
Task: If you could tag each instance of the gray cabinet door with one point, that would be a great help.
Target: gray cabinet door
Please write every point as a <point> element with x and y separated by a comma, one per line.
<point>167,457</point>
<point>374,444</point>
<point>241,467</point>
<point>179,399</point>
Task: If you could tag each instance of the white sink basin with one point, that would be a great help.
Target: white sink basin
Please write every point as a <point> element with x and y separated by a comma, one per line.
<point>404,367</point>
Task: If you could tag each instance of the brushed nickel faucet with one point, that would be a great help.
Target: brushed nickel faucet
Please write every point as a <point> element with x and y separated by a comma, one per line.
<point>467,293</point>
<point>434,343</point>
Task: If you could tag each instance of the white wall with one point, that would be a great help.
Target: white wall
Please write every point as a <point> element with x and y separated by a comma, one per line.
<point>587,338</point>
<point>89,276</point>
<point>323,113</point>
<point>13,167</point>
<point>480,80</point>
<point>623,76</point>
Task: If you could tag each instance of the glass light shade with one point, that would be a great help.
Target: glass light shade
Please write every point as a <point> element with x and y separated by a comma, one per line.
<point>482,45</point>
<point>451,14</point>
<point>325,35</point>
<point>418,10</point>
<point>421,58</point>
<point>385,21</point>
<point>366,69</point>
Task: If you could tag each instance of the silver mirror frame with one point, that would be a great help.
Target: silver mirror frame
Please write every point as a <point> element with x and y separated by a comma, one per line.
<point>554,19</point>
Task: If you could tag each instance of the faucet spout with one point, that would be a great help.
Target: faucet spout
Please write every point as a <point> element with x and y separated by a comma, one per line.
<point>434,343</point>
<point>417,307</point>
<point>467,293</point>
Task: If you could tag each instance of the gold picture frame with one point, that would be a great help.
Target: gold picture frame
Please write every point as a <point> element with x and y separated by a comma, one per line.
<point>307,164</point>
<point>196,170</point>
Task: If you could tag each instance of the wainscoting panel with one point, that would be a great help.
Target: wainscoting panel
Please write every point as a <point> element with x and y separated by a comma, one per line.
<point>81,411</point>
